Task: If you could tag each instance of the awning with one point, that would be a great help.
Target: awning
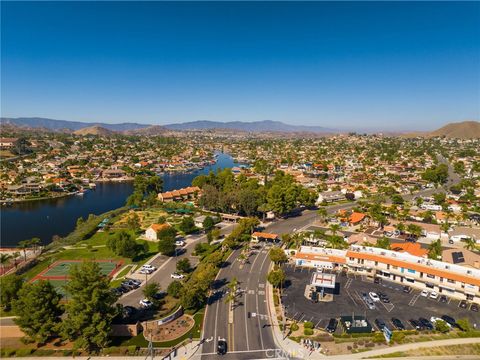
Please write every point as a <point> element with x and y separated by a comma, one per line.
<point>409,278</point>
<point>447,288</point>
<point>429,284</point>
<point>473,293</point>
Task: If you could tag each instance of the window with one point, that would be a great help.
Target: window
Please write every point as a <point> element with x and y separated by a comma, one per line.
<point>410,280</point>
<point>411,271</point>
<point>394,267</point>
<point>431,276</point>
<point>451,281</point>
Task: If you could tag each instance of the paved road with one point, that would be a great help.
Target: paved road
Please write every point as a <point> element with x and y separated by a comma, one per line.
<point>249,336</point>
<point>166,266</point>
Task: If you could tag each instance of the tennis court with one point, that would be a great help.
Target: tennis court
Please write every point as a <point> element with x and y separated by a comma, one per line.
<point>57,284</point>
<point>60,269</point>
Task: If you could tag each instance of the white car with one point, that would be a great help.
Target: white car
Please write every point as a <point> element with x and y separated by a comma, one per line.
<point>177,276</point>
<point>179,243</point>
<point>433,295</point>
<point>145,271</point>
<point>145,303</point>
<point>149,267</point>
<point>374,296</point>
<point>424,293</point>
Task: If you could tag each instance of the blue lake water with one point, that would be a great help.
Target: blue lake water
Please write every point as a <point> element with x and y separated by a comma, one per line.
<point>46,218</point>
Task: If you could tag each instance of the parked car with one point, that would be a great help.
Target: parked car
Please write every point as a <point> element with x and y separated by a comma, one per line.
<point>443,299</point>
<point>364,296</point>
<point>407,289</point>
<point>398,324</point>
<point>370,304</point>
<point>411,239</point>
<point>377,280</point>
<point>145,271</point>
<point>380,324</point>
<point>474,307</point>
<point>463,304</point>
<point>179,243</point>
<point>221,347</point>
<point>373,296</point>
<point>449,320</point>
<point>145,303</point>
<point>332,325</point>
<point>177,276</point>
<point>384,298</point>
<point>425,323</point>
<point>433,295</point>
<point>160,295</point>
<point>129,311</point>
<point>416,324</point>
<point>149,267</point>
<point>424,293</point>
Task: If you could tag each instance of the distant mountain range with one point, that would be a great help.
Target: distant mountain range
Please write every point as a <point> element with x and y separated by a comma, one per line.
<point>463,130</point>
<point>51,124</point>
<point>255,126</point>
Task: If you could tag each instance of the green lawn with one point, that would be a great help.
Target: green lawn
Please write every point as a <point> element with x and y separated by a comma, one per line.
<point>91,249</point>
<point>195,333</point>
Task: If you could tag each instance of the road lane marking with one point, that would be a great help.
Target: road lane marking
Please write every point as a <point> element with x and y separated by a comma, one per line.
<point>246,322</point>
<point>258,319</point>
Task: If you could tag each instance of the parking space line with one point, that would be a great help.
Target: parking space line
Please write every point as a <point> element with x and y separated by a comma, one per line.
<point>351,297</point>
<point>414,300</point>
<point>316,325</point>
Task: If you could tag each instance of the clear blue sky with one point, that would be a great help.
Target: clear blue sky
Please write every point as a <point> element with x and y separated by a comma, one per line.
<point>383,65</point>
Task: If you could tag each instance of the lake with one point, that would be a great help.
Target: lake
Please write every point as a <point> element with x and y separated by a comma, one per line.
<point>46,218</point>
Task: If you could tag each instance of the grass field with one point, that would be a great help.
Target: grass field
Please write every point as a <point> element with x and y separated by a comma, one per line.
<point>91,249</point>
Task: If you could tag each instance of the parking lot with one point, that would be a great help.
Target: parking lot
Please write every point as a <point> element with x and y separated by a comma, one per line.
<point>348,300</point>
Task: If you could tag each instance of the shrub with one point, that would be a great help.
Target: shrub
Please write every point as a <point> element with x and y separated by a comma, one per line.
<point>109,350</point>
<point>23,352</point>
<point>67,352</point>
<point>132,349</point>
<point>308,325</point>
<point>294,327</point>
<point>7,352</point>
<point>378,338</point>
<point>44,352</point>
<point>276,301</point>
<point>307,331</point>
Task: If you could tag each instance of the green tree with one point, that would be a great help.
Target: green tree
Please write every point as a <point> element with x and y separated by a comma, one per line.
<point>470,244</point>
<point>38,310</point>
<point>464,324</point>
<point>90,307</point>
<point>150,290</point>
<point>123,244</point>
<point>4,260</point>
<point>187,225</point>
<point>435,249</point>
<point>175,289</point>
<point>277,255</point>
<point>35,242</point>
<point>414,230</point>
<point>276,277</point>
<point>167,246</point>
<point>208,223</point>
<point>183,266</point>
<point>383,243</point>
<point>397,199</point>
<point>10,286</point>
<point>442,326</point>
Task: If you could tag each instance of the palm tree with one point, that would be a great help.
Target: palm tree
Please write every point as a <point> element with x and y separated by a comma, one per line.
<point>322,213</point>
<point>334,228</point>
<point>435,249</point>
<point>16,254</point>
<point>470,244</point>
<point>4,260</point>
<point>24,245</point>
<point>35,242</point>
<point>232,295</point>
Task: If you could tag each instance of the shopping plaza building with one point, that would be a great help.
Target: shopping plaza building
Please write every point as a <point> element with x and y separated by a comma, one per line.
<point>447,278</point>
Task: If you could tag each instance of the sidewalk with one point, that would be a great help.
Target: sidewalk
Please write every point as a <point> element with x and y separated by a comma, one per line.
<point>289,348</point>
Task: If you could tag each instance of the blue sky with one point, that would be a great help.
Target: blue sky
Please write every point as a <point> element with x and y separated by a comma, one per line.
<point>355,65</point>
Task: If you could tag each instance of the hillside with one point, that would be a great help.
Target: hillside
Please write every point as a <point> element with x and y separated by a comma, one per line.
<point>148,131</point>
<point>94,130</point>
<point>460,130</point>
<point>255,126</point>
<point>59,125</point>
